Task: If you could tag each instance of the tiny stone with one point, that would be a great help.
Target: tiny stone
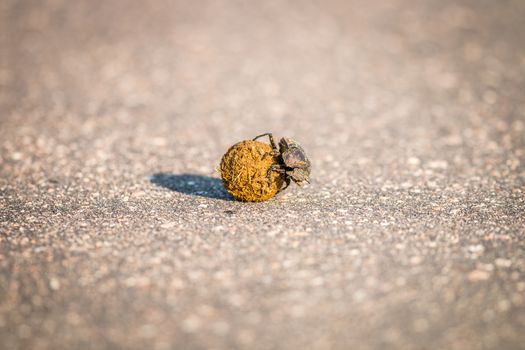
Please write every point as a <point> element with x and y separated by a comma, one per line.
<point>54,284</point>
<point>169,224</point>
<point>503,262</point>
<point>478,275</point>
<point>413,161</point>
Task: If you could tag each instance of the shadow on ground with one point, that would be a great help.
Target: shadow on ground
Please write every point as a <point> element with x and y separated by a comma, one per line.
<point>195,185</point>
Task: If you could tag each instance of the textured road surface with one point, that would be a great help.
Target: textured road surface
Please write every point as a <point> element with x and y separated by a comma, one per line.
<point>117,234</point>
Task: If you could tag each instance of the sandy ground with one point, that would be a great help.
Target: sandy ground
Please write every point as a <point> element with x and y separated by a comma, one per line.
<point>115,232</point>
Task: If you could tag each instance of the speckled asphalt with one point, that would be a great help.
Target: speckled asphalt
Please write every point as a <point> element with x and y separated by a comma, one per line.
<point>115,232</point>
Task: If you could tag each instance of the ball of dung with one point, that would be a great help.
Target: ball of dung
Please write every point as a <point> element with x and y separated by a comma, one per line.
<point>244,171</point>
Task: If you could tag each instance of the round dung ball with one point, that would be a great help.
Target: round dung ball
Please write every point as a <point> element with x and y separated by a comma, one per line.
<point>244,168</point>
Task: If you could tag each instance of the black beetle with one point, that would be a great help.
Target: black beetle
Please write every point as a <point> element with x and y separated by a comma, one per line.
<point>290,160</point>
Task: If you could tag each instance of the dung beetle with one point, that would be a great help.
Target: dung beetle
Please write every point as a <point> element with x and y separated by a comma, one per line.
<point>290,160</point>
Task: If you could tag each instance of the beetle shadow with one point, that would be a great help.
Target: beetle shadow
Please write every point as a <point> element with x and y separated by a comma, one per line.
<point>195,185</point>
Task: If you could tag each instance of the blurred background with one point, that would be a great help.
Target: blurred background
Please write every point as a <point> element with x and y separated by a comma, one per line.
<point>115,231</point>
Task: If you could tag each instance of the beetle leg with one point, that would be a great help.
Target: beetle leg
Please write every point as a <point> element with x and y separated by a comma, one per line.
<point>287,181</point>
<point>274,167</point>
<point>272,142</point>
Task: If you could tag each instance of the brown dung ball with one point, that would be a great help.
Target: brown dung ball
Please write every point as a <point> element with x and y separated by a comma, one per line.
<point>244,171</point>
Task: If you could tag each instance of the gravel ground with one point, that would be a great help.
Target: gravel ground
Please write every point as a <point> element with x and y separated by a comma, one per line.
<point>115,232</point>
